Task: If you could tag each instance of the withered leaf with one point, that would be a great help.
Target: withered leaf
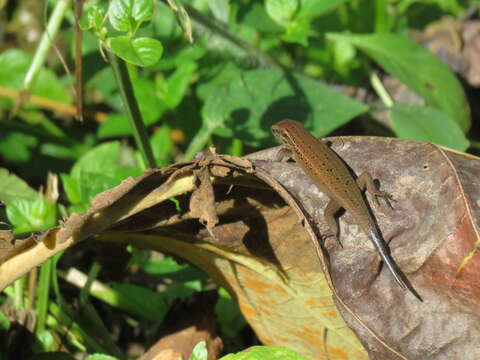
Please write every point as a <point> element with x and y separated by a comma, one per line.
<point>318,298</point>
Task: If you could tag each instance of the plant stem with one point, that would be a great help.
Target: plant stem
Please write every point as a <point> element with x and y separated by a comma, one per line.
<point>131,106</point>
<point>45,43</point>
<point>380,90</point>
<point>43,291</point>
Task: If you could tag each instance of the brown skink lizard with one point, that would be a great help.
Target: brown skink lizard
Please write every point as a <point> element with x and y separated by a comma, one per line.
<point>330,174</point>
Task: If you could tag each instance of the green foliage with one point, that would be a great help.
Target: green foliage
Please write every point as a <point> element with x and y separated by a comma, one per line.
<point>199,352</point>
<point>14,188</point>
<point>100,169</point>
<point>412,121</point>
<point>418,69</point>
<point>230,319</point>
<point>135,300</point>
<point>31,215</point>
<point>251,64</point>
<point>140,51</point>
<point>100,357</point>
<point>265,353</point>
<point>14,64</point>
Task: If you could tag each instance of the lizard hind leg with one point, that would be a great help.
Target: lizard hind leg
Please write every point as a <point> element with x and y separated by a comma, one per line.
<point>365,181</point>
<point>332,208</point>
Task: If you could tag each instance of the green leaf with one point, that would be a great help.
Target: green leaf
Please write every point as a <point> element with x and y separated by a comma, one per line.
<point>16,147</point>
<point>178,83</point>
<point>72,188</point>
<point>310,9</point>
<point>14,65</point>
<point>220,9</point>
<point>100,169</point>
<point>297,31</point>
<point>265,353</point>
<point>136,300</point>
<point>31,215</point>
<point>109,159</point>
<point>142,51</point>
<point>128,15</point>
<point>4,322</point>
<point>199,352</point>
<point>100,357</point>
<point>162,145</point>
<point>281,11</point>
<point>229,317</point>
<point>46,340</point>
<point>14,188</point>
<point>419,69</point>
<point>151,107</point>
<point>93,18</point>
<point>256,17</point>
<point>251,101</point>
<point>424,123</point>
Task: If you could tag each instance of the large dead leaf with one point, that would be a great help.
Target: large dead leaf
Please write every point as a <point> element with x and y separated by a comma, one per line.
<point>264,248</point>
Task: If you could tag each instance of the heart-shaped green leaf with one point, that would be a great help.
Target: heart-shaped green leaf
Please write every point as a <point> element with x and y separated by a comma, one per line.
<point>142,51</point>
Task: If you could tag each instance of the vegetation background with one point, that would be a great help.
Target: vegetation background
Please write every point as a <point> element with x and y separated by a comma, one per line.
<point>158,82</point>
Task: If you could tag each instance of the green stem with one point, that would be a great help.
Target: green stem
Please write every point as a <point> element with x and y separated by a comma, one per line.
<point>131,106</point>
<point>380,90</point>
<point>45,43</point>
<point>92,275</point>
<point>43,291</point>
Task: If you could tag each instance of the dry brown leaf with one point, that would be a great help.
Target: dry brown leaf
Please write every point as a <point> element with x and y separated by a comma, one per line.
<point>265,248</point>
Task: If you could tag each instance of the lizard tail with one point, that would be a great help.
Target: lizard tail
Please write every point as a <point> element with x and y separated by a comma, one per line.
<point>387,258</point>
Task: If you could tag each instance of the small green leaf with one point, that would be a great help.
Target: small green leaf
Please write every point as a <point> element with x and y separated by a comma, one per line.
<point>229,317</point>
<point>199,352</point>
<point>162,145</point>
<point>297,31</point>
<point>72,188</point>
<point>14,188</point>
<point>281,11</point>
<point>31,215</point>
<point>151,107</point>
<point>424,123</point>
<point>220,9</point>
<point>14,65</point>
<point>46,340</point>
<point>109,159</point>
<point>419,69</point>
<point>142,51</point>
<point>95,16</point>
<point>310,9</point>
<point>178,83</point>
<point>100,169</point>
<point>17,147</point>
<point>100,357</point>
<point>128,15</point>
<point>265,353</point>
<point>4,322</point>
<point>136,300</point>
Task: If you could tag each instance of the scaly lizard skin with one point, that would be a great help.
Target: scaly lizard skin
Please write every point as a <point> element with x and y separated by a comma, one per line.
<point>330,174</point>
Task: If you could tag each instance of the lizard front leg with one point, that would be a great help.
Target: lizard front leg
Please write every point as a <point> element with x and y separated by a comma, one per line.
<point>365,181</point>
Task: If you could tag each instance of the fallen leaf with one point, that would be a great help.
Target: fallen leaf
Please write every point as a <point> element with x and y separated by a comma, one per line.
<point>316,297</point>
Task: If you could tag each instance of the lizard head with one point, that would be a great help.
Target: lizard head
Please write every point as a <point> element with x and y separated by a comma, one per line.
<point>283,130</point>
